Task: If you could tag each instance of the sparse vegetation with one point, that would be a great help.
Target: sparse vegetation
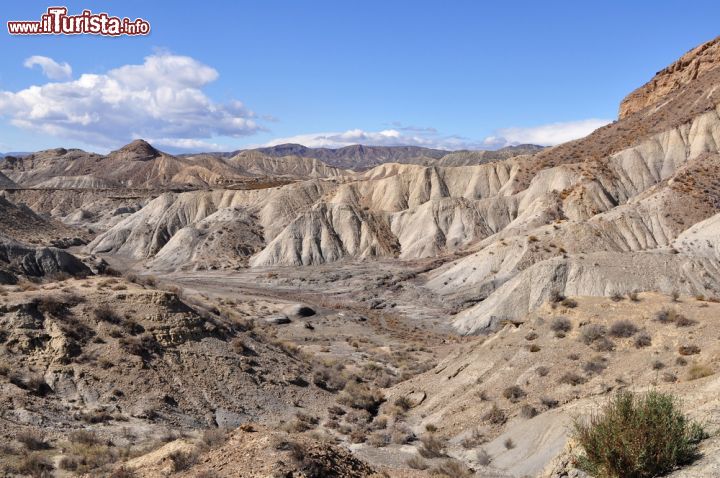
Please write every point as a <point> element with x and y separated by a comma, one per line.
<point>473,440</point>
<point>569,303</point>
<point>592,332</point>
<point>105,313</point>
<point>571,378</point>
<point>431,446</point>
<point>182,460</point>
<point>514,393</point>
<point>528,411</point>
<point>561,324</point>
<point>623,329</point>
<point>643,339</point>
<point>637,436</point>
<point>699,371</point>
<point>451,468</point>
<point>417,463</point>
<point>32,440</point>
<point>688,350</point>
<point>495,415</point>
<point>595,366</point>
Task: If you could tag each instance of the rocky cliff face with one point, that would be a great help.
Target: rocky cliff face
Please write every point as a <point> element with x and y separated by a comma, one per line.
<point>689,67</point>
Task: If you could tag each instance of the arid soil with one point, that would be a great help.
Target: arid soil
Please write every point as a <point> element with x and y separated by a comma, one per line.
<point>278,313</point>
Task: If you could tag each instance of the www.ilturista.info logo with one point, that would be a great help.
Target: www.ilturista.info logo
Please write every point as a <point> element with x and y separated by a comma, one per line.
<point>57,22</point>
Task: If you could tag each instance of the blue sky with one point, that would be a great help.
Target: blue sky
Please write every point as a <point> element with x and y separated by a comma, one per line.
<point>448,74</point>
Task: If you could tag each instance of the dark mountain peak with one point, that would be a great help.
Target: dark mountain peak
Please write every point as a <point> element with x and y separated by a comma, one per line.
<point>138,150</point>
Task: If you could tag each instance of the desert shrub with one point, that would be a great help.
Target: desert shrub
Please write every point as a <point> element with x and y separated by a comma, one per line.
<point>144,346</point>
<point>595,366</point>
<point>514,393</point>
<point>84,437</point>
<point>616,297</point>
<point>403,403</point>
<point>301,423</point>
<point>495,415</point>
<point>182,460</point>
<point>105,313</point>
<point>528,411</point>
<point>574,356</point>
<point>591,333</point>
<point>483,457</point>
<point>378,439</point>
<point>401,434</point>
<point>623,329</point>
<point>643,339</point>
<point>699,371</point>
<point>534,348</point>
<point>556,297</point>
<point>34,384</point>
<point>571,378</point>
<point>688,350</point>
<point>531,336</point>
<point>123,472</point>
<point>667,315</point>
<point>32,440</point>
<point>53,305</point>
<point>417,463</point>
<point>569,303</point>
<point>604,345</point>
<point>430,428</point>
<point>451,468</point>
<point>213,437</point>
<point>669,377</point>
<point>542,370</point>
<point>636,436</point>
<point>509,444</point>
<point>336,411</point>
<point>561,324</point>
<point>242,348</point>
<point>682,321</point>
<point>658,365</point>
<point>361,396</point>
<point>329,378</point>
<point>431,446</point>
<point>633,296</point>
<point>36,465</point>
<point>95,416</point>
<point>674,296</point>
<point>473,440</point>
<point>69,463</point>
<point>549,402</point>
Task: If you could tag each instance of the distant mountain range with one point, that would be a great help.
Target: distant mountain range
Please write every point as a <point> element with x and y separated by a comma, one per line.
<point>14,153</point>
<point>360,157</point>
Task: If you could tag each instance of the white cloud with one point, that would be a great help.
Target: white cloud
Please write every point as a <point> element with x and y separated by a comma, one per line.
<point>161,98</point>
<point>50,68</point>
<point>426,137</point>
<point>187,144</point>
<point>544,135</point>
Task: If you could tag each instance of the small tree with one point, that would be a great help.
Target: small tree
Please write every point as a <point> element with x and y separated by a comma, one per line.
<point>637,436</point>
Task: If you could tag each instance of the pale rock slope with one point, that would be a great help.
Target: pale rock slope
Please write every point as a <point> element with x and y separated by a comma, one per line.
<point>253,163</point>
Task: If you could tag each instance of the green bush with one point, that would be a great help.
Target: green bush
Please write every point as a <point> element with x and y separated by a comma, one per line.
<point>637,436</point>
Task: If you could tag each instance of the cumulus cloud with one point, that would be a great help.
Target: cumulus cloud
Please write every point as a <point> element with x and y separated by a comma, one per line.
<point>544,135</point>
<point>426,137</point>
<point>161,98</point>
<point>187,144</point>
<point>50,68</point>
